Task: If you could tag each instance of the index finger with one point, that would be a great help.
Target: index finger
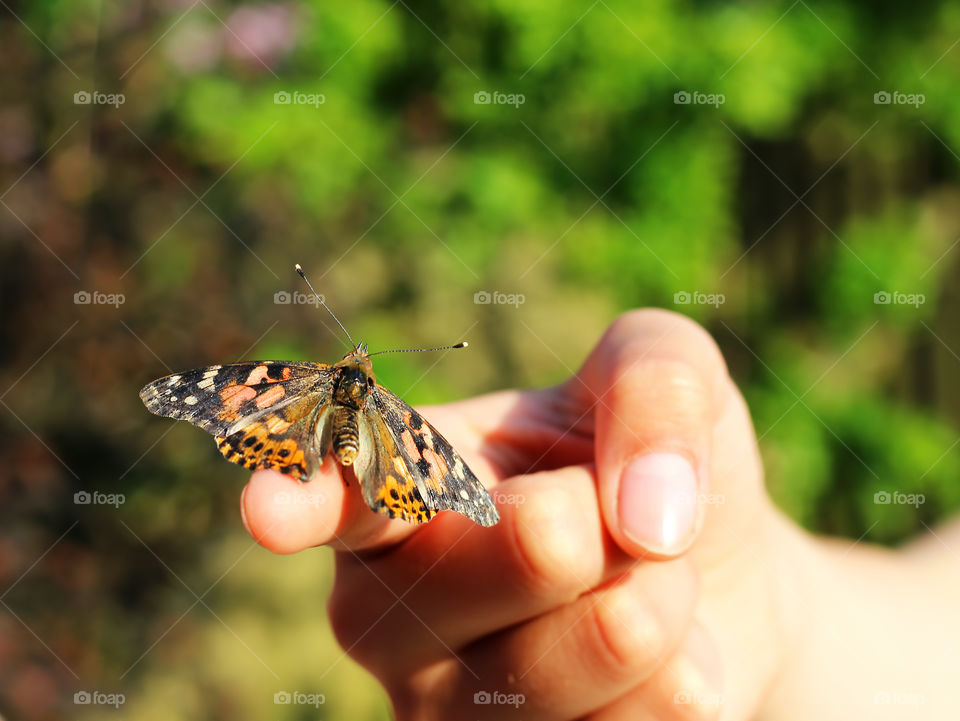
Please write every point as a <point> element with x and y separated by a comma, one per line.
<point>497,435</point>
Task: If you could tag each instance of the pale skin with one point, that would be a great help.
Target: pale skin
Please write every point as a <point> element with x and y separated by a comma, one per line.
<point>674,591</point>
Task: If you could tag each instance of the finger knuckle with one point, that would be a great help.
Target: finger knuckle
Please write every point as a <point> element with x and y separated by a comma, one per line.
<point>652,323</point>
<point>342,622</point>
<point>661,403</point>
<point>552,560</point>
<point>624,636</point>
<point>352,627</point>
<point>661,375</point>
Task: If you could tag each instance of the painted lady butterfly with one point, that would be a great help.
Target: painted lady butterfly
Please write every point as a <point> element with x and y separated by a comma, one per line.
<point>289,415</point>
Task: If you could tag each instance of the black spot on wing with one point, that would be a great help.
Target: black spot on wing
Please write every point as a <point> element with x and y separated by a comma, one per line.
<point>421,443</point>
<point>275,371</point>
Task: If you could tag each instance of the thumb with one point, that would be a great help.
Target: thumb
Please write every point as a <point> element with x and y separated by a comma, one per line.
<point>656,381</point>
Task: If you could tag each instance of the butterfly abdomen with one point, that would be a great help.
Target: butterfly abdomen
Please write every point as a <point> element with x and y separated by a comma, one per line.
<point>346,434</point>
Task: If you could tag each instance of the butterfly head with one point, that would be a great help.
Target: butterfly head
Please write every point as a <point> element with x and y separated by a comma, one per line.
<point>355,378</point>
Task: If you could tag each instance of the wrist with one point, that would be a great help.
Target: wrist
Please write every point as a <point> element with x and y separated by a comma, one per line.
<point>754,603</point>
<point>797,567</point>
<point>864,635</point>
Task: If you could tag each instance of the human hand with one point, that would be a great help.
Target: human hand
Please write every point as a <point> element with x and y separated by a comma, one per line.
<point>572,601</point>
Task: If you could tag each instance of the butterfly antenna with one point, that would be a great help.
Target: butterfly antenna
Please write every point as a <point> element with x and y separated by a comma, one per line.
<point>320,298</point>
<point>461,344</point>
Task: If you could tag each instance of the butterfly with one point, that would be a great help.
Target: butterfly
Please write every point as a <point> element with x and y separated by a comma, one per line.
<point>289,415</point>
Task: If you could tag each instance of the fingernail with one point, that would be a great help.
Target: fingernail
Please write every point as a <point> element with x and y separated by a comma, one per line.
<point>658,502</point>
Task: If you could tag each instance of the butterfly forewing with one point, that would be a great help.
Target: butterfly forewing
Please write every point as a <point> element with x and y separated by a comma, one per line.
<point>386,482</point>
<point>220,399</point>
<point>263,413</point>
<point>417,472</point>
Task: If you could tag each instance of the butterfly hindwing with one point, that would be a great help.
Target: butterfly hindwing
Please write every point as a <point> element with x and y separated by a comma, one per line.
<point>415,472</point>
<point>284,440</point>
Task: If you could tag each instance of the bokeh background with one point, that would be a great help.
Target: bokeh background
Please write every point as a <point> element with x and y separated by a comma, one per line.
<point>173,159</point>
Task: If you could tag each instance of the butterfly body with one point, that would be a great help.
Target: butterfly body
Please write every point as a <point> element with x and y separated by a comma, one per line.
<point>289,415</point>
<point>354,383</point>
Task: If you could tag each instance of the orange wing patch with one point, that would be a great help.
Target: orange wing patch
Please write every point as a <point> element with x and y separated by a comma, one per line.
<point>260,374</point>
<point>399,498</point>
<point>418,442</point>
<point>270,396</point>
<point>234,396</point>
<point>438,466</point>
<point>276,424</point>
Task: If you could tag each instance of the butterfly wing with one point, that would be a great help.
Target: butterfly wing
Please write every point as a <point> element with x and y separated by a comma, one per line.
<point>263,413</point>
<point>285,440</point>
<point>408,470</point>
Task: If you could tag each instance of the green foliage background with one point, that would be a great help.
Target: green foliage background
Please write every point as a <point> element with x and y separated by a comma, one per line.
<point>797,199</point>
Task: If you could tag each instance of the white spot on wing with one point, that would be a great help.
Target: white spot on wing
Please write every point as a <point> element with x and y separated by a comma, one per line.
<point>173,380</point>
<point>205,383</point>
<point>190,400</point>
